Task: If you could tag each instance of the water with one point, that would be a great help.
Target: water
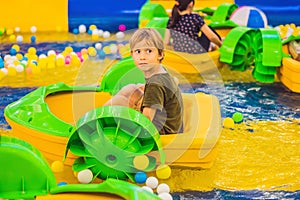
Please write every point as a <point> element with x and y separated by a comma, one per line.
<point>259,159</point>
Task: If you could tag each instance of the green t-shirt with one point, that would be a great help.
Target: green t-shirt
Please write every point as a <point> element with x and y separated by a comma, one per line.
<point>163,94</point>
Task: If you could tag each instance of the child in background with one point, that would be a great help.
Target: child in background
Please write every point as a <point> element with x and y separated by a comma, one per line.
<point>184,27</point>
<point>160,100</point>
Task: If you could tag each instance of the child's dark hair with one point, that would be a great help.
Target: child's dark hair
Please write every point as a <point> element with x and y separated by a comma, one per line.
<point>180,5</point>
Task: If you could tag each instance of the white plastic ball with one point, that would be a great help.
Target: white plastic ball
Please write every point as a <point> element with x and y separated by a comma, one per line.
<point>24,62</point>
<point>41,56</point>
<point>147,188</point>
<point>152,182</point>
<point>165,196</point>
<point>33,29</point>
<point>100,32</point>
<point>4,70</point>
<point>17,29</point>
<point>19,68</point>
<point>98,46</point>
<point>113,48</point>
<point>19,38</point>
<point>106,34</point>
<point>95,32</point>
<point>82,28</point>
<point>7,57</point>
<point>161,188</point>
<point>120,35</point>
<point>60,56</point>
<point>51,52</point>
<point>85,176</point>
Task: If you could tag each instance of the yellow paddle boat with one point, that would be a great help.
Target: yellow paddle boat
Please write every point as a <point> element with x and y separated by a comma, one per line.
<point>58,118</point>
<point>289,73</point>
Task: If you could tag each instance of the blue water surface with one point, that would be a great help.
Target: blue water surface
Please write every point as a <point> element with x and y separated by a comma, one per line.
<point>255,100</point>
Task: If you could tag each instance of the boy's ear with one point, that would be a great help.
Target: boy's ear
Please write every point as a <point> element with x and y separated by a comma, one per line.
<point>161,56</point>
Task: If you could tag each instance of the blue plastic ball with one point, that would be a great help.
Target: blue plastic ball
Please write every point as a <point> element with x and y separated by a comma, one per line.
<point>90,32</point>
<point>75,31</point>
<point>33,39</point>
<point>140,177</point>
<point>61,183</point>
<point>13,52</point>
<point>1,64</point>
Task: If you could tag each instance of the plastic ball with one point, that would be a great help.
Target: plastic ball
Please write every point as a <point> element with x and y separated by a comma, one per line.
<point>33,29</point>
<point>98,45</point>
<point>19,38</point>
<point>92,51</point>
<point>51,53</point>
<point>1,64</point>
<point>106,50</point>
<point>113,48</point>
<point>69,49</point>
<point>163,172</point>
<point>165,196</point>
<point>57,166</point>
<point>61,183</point>
<point>90,32</point>
<point>32,50</point>
<point>147,189</point>
<point>102,55</point>
<point>17,29</point>
<point>2,74</point>
<point>122,27</point>
<point>12,51</point>
<point>11,71</point>
<point>33,38</point>
<point>100,32</point>
<point>237,117</point>
<point>95,32</point>
<point>95,37</point>
<point>249,16</point>
<point>106,34</point>
<point>161,188</point>
<point>140,177</point>
<point>16,47</point>
<point>75,31</point>
<point>228,123</point>
<point>141,162</point>
<point>120,35</point>
<point>4,70</point>
<point>152,182</point>
<point>82,28</point>
<point>19,68</point>
<point>92,27</point>
<point>85,176</point>
<point>9,31</point>
<point>12,38</point>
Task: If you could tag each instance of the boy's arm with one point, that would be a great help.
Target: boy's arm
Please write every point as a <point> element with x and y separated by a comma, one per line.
<point>149,112</point>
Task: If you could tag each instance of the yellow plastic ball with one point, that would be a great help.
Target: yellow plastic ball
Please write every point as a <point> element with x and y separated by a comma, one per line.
<point>60,62</point>
<point>95,37</point>
<point>92,51</point>
<point>57,166</point>
<point>12,38</point>
<point>16,47</point>
<point>163,172</point>
<point>141,162</point>
<point>31,50</point>
<point>11,71</point>
<point>107,50</point>
<point>19,56</point>
<point>2,74</point>
<point>228,122</point>
<point>9,31</point>
<point>92,27</point>
<point>69,49</point>
<point>35,69</point>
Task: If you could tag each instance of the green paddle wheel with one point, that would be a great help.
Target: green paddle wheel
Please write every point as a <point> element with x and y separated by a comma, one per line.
<point>261,48</point>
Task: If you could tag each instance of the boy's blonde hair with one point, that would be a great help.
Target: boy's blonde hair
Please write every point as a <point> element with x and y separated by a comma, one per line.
<point>150,36</point>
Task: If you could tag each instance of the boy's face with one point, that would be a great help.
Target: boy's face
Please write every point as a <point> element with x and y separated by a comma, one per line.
<point>145,57</point>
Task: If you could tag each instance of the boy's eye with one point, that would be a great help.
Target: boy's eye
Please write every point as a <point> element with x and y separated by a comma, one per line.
<point>149,51</point>
<point>137,51</point>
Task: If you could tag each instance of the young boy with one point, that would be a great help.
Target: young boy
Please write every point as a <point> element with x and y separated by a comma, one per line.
<point>162,100</point>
